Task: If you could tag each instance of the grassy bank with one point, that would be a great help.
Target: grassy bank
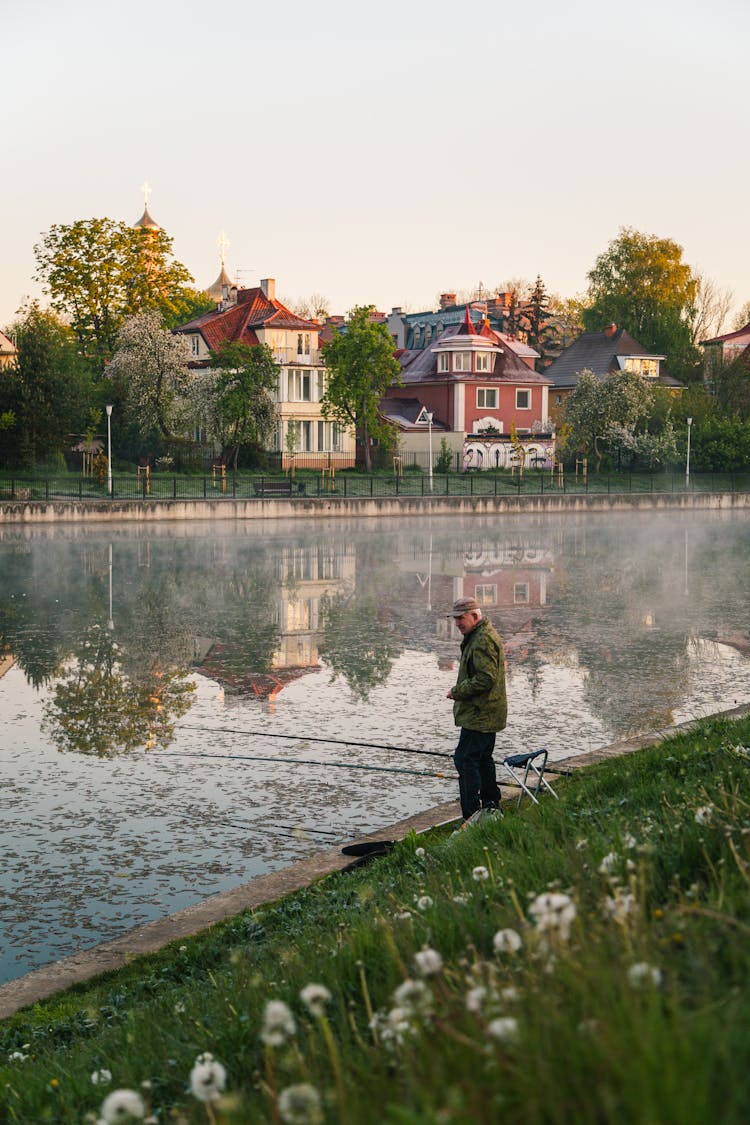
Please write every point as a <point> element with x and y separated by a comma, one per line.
<point>585,960</point>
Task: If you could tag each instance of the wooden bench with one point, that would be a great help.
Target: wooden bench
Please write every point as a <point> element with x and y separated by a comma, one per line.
<point>277,488</point>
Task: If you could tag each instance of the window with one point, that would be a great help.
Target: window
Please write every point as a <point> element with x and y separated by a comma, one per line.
<point>443,361</point>
<point>306,437</point>
<point>523,400</point>
<point>483,363</point>
<point>300,386</point>
<point>558,400</point>
<point>521,593</point>
<point>322,443</point>
<point>303,343</point>
<point>336,437</point>
<point>486,594</point>
<point>462,361</point>
<point>195,345</point>
<point>487,398</point>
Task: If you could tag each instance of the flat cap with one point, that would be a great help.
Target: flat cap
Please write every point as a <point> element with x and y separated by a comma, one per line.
<point>464,605</point>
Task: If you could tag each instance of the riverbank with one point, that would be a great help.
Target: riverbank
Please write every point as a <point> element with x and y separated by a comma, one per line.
<point>342,507</point>
<point>587,957</point>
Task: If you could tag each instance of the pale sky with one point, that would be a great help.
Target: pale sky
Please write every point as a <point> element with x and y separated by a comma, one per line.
<point>380,152</point>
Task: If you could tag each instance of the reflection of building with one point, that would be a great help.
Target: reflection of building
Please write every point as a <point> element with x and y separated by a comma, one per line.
<point>8,351</point>
<point>304,576</point>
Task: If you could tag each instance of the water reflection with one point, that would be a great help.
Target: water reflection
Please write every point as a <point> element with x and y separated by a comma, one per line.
<point>202,646</point>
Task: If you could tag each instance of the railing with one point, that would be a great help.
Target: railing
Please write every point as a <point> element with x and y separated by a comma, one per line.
<point>354,484</point>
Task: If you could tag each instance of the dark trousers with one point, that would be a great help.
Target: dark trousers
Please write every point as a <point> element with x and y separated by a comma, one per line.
<point>477,780</point>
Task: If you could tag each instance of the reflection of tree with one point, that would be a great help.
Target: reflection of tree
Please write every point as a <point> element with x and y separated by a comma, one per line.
<point>357,643</point>
<point>96,707</point>
<point>245,621</point>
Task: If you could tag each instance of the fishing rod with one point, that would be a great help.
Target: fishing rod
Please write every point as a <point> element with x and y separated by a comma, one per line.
<point>310,738</point>
<point>302,762</point>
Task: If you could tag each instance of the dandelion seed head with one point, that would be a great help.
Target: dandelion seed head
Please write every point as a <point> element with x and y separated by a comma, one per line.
<point>315,997</point>
<point>609,862</point>
<point>207,1078</point>
<point>121,1105</point>
<point>424,902</point>
<point>428,962</point>
<point>420,852</point>
<point>504,1029</point>
<point>553,914</point>
<point>704,815</point>
<point>278,1024</point>
<point>507,941</point>
<point>643,975</point>
<point>475,999</point>
<point>300,1105</point>
<point>101,1077</point>
<point>480,874</point>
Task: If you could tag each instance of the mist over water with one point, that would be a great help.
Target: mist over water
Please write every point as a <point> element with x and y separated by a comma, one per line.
<point>144,672</point>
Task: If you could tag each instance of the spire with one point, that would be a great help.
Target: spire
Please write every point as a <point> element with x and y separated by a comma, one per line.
<point>469,324</point>
<point>145,220</point>
<point>223,281</point>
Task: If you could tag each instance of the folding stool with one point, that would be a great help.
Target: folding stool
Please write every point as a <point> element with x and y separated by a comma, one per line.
<point>528,762</point>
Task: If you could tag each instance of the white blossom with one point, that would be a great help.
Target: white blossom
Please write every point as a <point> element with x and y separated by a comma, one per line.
<point>704,815</point>
<point>507,941</point>
<point>101,1077</point>
<point>461,899</point>
<point>504,1029</point>
<point>207,1078</point>
<point>643,975</point>
<point>419,852</point>
<point>480,874</point>
<point>609,863</point>
<point>121,1105</point>
<point>315,997</point>
<point>553,913</point>
<point>424,902</point>
<point>428,962</point>
<point>300,1105</point>
<point>278,1024</point>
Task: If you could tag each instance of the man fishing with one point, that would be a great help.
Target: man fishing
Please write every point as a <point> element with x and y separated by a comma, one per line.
<point>480,707</point>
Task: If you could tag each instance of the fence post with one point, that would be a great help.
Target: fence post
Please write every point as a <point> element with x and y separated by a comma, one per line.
<point>46,489</point>
<point>542,488</point>
<point>422,483</point>
<point>234,486</point>
<point>397,484</point>
<point>112,494</point>
<point>471,485</point>
<point>204,488</point>
<point>372,485</point>
<point>80,488</point>
<point>344,486</point>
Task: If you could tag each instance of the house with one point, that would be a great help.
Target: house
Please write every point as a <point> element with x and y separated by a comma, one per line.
<point>255,316</point>
<point>418,330</point>
<point>723,350</point>
<point>8,351</point>
<point>470,387</point>
<point>605,353</point>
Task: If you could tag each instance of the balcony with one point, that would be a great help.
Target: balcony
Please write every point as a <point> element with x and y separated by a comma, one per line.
<point>286,356</point>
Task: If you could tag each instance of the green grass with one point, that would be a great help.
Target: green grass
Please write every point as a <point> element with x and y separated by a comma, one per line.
<point>586,1043</point>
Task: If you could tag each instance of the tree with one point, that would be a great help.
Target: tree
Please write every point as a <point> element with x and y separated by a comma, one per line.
<point>712,306</point>
<point>314,307</point>
<point>47,395</point>
<point>742,319</point>
<point>150,367</point>
<point>360,368</point>
<point>641,284</point>
<point>537,314</point>
<point>98,271</point>
<point>240,400</point>
<point>597,411</point>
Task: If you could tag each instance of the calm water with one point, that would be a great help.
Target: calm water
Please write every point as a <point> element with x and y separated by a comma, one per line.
<point>146,673</point>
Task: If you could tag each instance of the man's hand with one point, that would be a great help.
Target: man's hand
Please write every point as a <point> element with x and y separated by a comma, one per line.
<point>450,695</point>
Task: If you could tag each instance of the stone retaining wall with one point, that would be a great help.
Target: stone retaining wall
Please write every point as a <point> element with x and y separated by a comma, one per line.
<point>150,511</point>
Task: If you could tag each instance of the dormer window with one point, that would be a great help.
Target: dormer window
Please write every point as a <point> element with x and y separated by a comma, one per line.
<point>195,345</point>
<point>483,362</point>
<point>462,361</point>
<point>443,362</point>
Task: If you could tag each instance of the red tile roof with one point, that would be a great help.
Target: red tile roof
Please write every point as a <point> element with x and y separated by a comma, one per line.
<point>238,323</point>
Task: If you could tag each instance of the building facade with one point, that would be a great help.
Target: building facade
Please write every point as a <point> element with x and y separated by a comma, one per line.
<point>254,316</point>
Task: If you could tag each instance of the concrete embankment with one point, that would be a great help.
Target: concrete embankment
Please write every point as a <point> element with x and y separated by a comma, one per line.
<point>152,511</point>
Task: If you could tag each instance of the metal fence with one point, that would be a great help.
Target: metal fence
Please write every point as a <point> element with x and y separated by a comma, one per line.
<point>355,484</point>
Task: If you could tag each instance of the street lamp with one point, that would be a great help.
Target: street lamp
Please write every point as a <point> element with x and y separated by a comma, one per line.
<point>687,461</point>
<point>109,449</point>
<point>429,446</point>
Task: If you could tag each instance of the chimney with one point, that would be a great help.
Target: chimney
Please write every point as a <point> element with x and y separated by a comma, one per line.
<point>610,330</point>
<point>447,299</point>
<point>268,285</point>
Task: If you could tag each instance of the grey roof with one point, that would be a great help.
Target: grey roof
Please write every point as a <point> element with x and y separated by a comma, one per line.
<point>597,352</point>
<point>405,411</point>
<point>420,366</point>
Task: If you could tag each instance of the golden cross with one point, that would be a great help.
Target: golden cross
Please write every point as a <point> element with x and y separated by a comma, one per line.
<point>146,189</point>
<point>222,242</point>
